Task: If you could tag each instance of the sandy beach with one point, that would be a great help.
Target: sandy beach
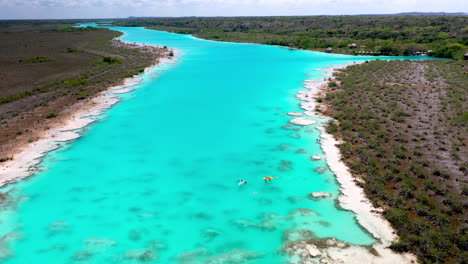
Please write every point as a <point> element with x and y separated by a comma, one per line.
<point>67,127</point>
<point>352,196</point>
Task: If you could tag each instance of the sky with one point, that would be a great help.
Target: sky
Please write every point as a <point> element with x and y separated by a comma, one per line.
<point>56,9</point>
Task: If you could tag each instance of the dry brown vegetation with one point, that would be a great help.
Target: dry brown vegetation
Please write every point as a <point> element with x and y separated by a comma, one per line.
<point>404,127</point>
<point>46,68</point>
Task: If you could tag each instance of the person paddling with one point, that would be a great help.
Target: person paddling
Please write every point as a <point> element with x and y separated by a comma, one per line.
<point>241,182</point>
<point>268,178</point>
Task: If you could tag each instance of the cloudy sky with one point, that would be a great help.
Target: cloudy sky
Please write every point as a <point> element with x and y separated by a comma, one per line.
<point>11,9</point>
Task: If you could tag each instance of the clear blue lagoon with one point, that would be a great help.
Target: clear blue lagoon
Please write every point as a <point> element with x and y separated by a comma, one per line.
<point>156,177</point>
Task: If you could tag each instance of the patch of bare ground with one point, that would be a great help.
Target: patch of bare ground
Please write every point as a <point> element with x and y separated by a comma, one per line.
<point>404,128</point>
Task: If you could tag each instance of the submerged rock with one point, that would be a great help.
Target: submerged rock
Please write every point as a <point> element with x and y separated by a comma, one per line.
<point>142,255</point>
<point>323,223</point>
<point>210,233</point>
<point>58,226</point>
<point>156,245</point>
<point>264,201</point>
<point>316,157</point>
<point>265,225</point>
<point>320,194</point>
<point>295,114</point>
<point>321,169</point>
<point>284,147</point>
<point>293,235</point>
<point>192,254</point>
<point>302,212</point>
<point>289,127</point>
<point>5,252</point>
<point>103,242</point>
<point>269,216</point>
<point>235,256</point>
<point>302,121</point>
<point>135,234</point>
<point>295,199</point>
<point>285,165</point>
<point>82,255</point>
<point>203,216</point>
<point>295,135</point>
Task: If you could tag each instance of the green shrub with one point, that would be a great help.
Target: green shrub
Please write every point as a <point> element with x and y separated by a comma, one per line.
<point>51,114</point>
<point>40,59</point>
<point>110,60</point>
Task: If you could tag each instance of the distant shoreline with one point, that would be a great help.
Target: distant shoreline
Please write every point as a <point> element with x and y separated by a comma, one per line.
<point>66,127</point>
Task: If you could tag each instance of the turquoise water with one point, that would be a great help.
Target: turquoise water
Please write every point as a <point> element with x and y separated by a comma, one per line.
<point>158,172</point>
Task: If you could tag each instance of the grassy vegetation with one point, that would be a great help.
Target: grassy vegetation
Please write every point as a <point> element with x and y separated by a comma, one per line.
<point>404,126</point>
<point>385,35</point>
<point>39,59</point>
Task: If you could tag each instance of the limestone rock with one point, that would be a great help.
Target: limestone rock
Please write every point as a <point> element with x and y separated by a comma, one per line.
<point>302,121</point>
<point>316,157</point>
<point>320,194</point>
<point>295,114</point>
<point>313,251</point>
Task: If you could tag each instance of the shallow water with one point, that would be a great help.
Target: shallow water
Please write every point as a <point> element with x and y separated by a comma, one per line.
<point>157,176</point>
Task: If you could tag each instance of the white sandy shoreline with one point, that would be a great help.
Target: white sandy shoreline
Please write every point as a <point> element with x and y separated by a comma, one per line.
<point>24,164</point>
<point>352,196</point>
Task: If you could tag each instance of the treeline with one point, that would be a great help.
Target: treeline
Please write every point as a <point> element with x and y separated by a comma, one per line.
<point>445,36</point>
<point>404,130</point>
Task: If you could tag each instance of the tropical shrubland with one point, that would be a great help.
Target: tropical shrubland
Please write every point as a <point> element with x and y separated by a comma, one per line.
<point>404,131</point>
<point>444,36</point>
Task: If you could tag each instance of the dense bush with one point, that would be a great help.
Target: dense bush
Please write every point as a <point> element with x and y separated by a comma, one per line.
<point>110,60</point>
<point>51,115</point>
<point>454,51</point>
